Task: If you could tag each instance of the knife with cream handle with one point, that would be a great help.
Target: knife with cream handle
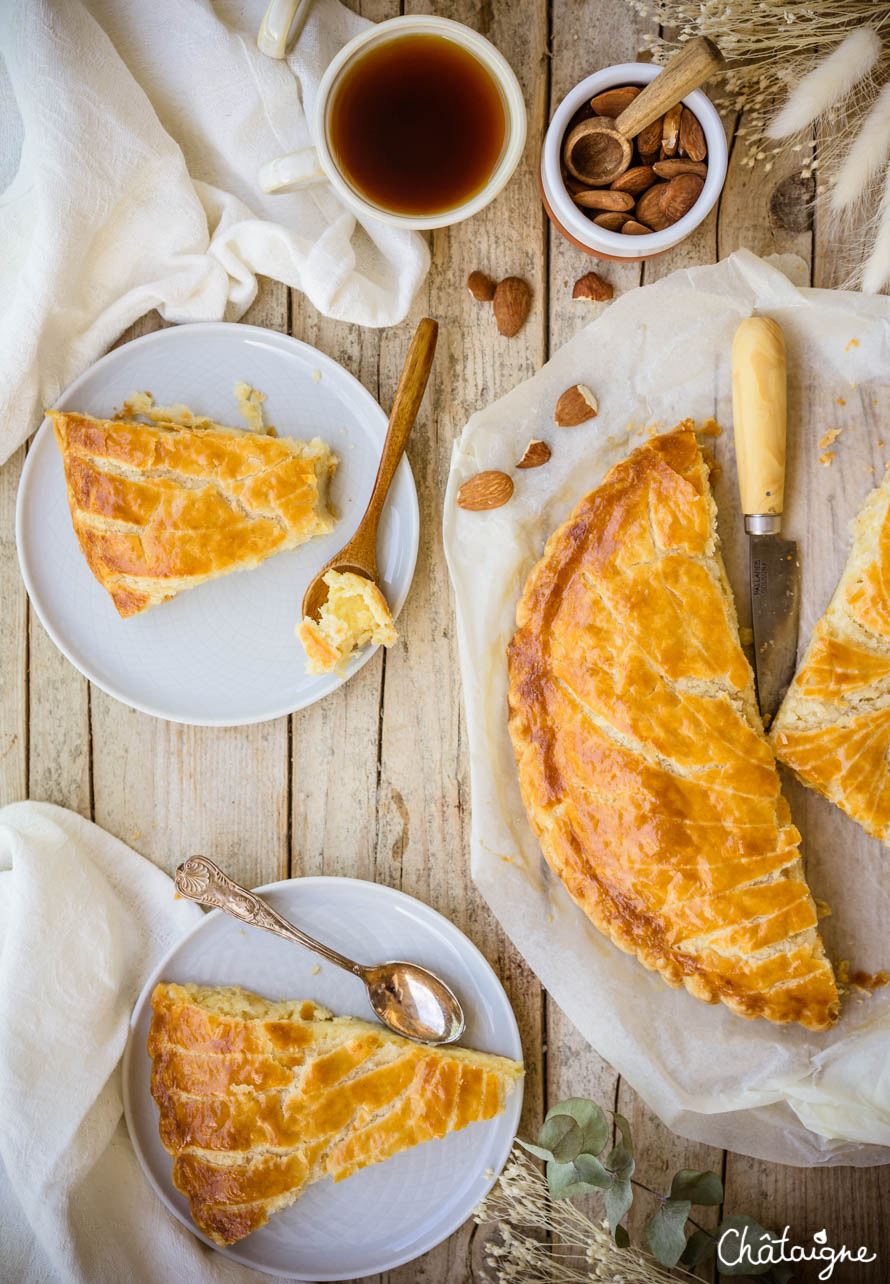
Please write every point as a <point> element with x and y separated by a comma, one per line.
<point>759,411</point>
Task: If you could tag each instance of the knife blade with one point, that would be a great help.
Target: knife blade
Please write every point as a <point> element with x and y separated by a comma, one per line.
<point>759,424</point>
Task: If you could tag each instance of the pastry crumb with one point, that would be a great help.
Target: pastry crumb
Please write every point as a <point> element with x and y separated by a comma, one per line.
<point>828,437</point>
<point>354,614</point>
<point>841,401</point>
<point>316,376</point>
<point>711,428</point>
<point>827,458</point>
<point>314,971</point>
<point>250,407</point>
<point>823,909</point>
<point>746,636</point>
<point>854,343</point>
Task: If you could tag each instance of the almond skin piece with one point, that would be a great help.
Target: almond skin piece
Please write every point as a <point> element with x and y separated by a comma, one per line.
<point>591,286</point>
<point>633,228</point>
<point>670,130</point>
<point>489,489</point>
<point>481,287</point>
<point>649,141</point>
<point>511,303</point>
<point>597,199</point>
<point>671,168</point>
<point>635,180</point>
<point>576,405</point>
<point>536,454</point>
<point>650,210</point>
<point>612,102</point>
<point>611,220</point>
<point>680,195</point>
<point>692,137</point>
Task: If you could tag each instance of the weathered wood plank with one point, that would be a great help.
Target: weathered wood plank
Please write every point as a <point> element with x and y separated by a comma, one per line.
<point>13,644</point>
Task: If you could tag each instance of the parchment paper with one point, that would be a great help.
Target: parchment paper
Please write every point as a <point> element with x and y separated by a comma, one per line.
<point>655,356</point>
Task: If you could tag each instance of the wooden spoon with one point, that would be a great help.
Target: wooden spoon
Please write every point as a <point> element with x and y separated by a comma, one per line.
<point>598,150</point>
<point>360,554</point>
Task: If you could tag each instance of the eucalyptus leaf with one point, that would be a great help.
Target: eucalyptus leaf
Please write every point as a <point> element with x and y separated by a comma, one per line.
<point>698,1188</point>
<point>737,1224</point>
<point>562,1137</point>
<point>620,1158</point>
<point>618,1199</point>
<point>622,1239</point>
<point>665,1230</point>
<point>589,1118</point>
<point>535,1150</point>
<point>583,1175</point>
<point>697,1248</point>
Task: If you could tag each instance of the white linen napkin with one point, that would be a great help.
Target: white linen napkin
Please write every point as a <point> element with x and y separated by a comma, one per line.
<point>130,139</point>
<point>83,920</point>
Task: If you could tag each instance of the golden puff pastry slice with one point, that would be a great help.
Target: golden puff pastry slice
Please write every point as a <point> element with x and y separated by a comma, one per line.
<point>354,614</point>
<point>642,760</point>
<point>833,728</point>
<point>259,1099</point>
<point>158,508</point>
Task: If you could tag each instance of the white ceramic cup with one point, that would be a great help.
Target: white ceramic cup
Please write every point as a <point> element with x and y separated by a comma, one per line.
<point>317,164</point>
<point>573,223</point>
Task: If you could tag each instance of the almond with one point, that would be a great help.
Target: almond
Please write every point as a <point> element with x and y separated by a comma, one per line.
<point>633,228</point>
<point>536,454</point>
<point>575,406</point>
<point>611,220</point>
<point>635,180</point>
<point>650,210</point>
<point>600,200</point>
<point>649,140</point>
<point>489,489</point>
<point>591,286</point>
<point>671,168</point>
<point>670,130</point>
<point>692,137</point>
<point>612,102</point>
<point>481,287</point>
<point>679,195</point>
<point>511,302</point>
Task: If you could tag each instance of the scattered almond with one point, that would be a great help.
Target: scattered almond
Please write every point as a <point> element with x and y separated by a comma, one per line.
<point>488,489</point>
<point>576,405</point>
<point>680,195</point>
<point>481,287</point>
<point>593,287</point>
<point>597,199</point>
<point>511,303</point>
<point>670,130</point>
<point>692,137</point>
<point>635,180</point>
<point>633,228</point>
<point>671,168</point>
<point>612,102</point>
<point>536,454</point>
<point>611,220</point>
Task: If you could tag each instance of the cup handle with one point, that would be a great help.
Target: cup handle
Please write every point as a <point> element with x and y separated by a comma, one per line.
<point>277,22</point>
<point>291,172</point>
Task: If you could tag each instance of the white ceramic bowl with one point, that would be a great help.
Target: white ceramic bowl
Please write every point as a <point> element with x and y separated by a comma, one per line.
<point>582,231</point>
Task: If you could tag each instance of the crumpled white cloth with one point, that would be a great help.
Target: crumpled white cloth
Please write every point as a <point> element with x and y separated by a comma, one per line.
<point>130,139</point>
<point>83,920</point>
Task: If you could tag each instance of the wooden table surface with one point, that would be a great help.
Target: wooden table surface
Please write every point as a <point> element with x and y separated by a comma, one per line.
<point>373,781</point>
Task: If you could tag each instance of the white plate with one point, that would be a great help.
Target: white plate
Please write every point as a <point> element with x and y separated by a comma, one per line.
<point>389,1213</point>
<point>223,653</point>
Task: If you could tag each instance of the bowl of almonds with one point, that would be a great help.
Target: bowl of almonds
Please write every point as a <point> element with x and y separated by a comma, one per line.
<point>676,168</point>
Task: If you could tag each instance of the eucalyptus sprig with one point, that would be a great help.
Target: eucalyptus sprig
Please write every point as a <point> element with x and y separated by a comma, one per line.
<point>572,1141</point>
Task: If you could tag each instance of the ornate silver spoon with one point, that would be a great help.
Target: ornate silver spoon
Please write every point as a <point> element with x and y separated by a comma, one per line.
<point>407,998</point>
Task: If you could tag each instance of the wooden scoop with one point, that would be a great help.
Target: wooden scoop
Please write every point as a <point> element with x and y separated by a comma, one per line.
<point>360,554</point>
<point>598,150</point>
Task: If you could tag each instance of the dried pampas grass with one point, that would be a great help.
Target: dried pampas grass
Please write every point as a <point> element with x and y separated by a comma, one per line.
<point>828,82</point>
<point>867,157</point>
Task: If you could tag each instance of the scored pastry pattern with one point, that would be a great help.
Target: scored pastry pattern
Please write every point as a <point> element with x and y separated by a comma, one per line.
<point>833,729</point>
<point>642,760</point>
<point>260,1099</point>
<point>162,508</point>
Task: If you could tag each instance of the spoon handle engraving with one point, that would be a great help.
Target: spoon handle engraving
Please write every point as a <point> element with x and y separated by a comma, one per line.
<point>199,879</point>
